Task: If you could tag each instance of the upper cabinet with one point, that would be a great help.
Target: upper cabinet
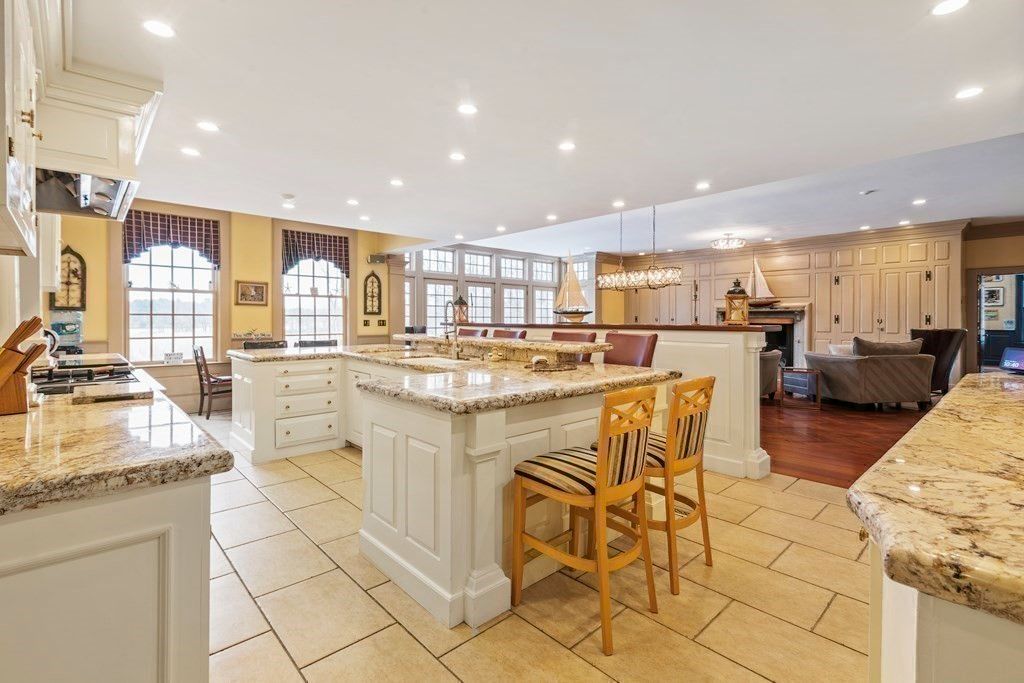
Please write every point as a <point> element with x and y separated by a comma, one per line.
<point>18,234</point>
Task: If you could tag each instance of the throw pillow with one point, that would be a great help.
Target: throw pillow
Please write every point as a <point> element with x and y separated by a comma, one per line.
<point>864,347</point>
<point>840,349</point>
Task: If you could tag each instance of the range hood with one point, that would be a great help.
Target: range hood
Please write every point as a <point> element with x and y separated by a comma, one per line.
<point>81,194</point>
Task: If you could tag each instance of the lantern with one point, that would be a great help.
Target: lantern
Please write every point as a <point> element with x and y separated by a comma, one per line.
<point>737,309</point>
<point>462,310</point>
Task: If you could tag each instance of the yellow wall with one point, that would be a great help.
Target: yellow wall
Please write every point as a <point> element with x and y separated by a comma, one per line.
<point>252,244</point>
<point>612,304</point>
<point>369,243</point>
<point>88,236</point>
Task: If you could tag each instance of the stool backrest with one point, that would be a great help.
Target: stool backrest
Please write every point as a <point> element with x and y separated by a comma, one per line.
<point>689,405</point>
<point>622,437</point>
<point>509,334</point>
<point>559,335</point>
<point>630,349</point>
<point>265,344</point>
<point>472,332</point>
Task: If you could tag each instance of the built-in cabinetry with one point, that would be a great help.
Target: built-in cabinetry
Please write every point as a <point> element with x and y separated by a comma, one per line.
<point>49,252</point>
<point>17,214</point>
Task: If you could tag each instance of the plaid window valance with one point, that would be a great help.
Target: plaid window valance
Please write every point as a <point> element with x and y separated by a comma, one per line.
<point>146,229</point>
<point>297,245</point>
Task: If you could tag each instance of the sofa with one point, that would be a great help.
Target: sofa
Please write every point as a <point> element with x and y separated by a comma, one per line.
<point>876,373</point>
<point>770,372</point>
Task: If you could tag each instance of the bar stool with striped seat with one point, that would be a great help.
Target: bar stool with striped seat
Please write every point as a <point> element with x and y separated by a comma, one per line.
<point>676,453</point>
<point>594,481</point>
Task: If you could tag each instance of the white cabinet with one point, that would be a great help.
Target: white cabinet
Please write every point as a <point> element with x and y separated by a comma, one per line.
<point>49,252</point>
<point>354,412</point>
<point>17,222</point>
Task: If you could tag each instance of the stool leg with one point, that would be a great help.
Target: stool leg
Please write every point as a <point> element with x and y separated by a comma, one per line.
<point>703,513</point>
<point>600,534</point>
<point>645,546</point>
<point>576,525</point>
<point>518,527</point>
<point>670,531</point>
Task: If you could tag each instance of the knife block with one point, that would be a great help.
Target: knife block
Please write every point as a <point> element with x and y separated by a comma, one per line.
<point>13,384</point>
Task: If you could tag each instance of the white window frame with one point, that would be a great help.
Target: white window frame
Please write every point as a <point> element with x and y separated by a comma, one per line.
<point>504,275</point>
<point>524,301</point>
<point>425,261</point>
<point>438,330</point>
<point>470,269</point>
<point>536,318</point>
<point>473,306</point>
<point>585,265</point>
<point>316,300</point>
<point>548,265</point>
<point>409,297</point>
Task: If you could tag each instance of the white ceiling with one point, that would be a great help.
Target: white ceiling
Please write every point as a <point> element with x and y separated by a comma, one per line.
<point>329,100</point>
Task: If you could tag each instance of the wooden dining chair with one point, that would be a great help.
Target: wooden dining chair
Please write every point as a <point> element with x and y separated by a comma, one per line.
<point>472,332</point>
<point>630,349</point>
<point>592,481</point>
<point>509,334</point>
<point>562,335</point>
<point>210,386</point>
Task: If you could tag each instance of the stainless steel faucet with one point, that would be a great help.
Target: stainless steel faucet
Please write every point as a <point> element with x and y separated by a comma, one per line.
<point>453,326</point>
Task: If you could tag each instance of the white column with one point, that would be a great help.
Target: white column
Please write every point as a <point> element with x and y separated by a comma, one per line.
<point>757,462</point>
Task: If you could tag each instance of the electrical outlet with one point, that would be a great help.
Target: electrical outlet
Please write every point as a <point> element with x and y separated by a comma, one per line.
<point>366,323</point>
<point>382,323</point>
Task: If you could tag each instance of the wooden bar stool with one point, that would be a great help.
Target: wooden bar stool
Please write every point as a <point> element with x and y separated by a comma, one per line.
<point>592,481</point>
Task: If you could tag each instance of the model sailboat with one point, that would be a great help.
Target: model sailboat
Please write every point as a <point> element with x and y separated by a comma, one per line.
<point>760,293</point>
<point>570,302</point>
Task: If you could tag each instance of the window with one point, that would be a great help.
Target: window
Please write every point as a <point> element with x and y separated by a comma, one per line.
<point>543,271</point>
<point>408,302</point>
<point>477,264</point>
<point>439,260</point>
<point>170,303</point>
<point>314,301</point>
<point>438,294</point>
<point>513,268</point>
<point>514,305</point>
<point>582,269</point>
<point>481,303</point>
<point>410,261</point>
<point>543,303</point>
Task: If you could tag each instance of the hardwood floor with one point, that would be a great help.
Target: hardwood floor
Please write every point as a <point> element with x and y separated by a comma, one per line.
<point>834,445</point>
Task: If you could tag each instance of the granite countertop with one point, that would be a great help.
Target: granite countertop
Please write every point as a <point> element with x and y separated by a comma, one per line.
<point>478,386</point>
<point>62,451</point>
<point>945,503</point>
<point>318,353</point>
<point>568,347</point>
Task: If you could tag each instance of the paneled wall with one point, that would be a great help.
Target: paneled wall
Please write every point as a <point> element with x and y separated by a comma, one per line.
<point>876,285</point>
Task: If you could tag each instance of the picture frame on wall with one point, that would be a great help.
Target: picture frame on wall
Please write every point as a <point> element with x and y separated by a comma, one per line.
<point>992,296</point>
<point>993,278</point>
<point>251,293</point>
<point>991,314</point>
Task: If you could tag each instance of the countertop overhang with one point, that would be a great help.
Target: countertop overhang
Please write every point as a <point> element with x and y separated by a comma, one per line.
<point>945,505</point>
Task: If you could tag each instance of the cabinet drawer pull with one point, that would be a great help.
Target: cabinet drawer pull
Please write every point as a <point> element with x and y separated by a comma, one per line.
<point>329,368</point>
<point>287,407</point>
<point>287,386</point>
<point>330,402</point>
<point>328,382</point>
<point>330,426</point>
<point>284,372</point>
<point>288,433</point>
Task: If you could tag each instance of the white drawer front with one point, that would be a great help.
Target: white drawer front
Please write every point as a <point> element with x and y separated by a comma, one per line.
<point>308,368</point>
<point>296,430</point>
<point>306,404</point>
<point>305,384</point>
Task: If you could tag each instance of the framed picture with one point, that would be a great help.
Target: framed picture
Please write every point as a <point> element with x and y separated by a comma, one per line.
<point>371,294</point>
<point>992,296</point>
<point>71,294</point>
<point>991,314</point>
<point>993,278</point>
<point>251,293</point>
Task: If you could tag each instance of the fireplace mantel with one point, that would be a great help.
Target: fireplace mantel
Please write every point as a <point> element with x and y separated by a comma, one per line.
<point>794,314</point>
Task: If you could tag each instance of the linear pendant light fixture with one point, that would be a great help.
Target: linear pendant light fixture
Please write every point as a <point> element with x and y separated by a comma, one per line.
<point>652,277</point>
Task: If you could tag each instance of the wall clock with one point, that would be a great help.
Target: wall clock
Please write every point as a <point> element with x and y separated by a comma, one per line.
<point>371,295</point>
<point>71,294</point>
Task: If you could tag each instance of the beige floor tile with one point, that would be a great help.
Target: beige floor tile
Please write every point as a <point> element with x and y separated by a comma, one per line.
<point>781,651</point>
<point>773,480</point>
<point>646,651</point>
<point>325,522</point>
<point>686,613</point>
<point>687,550</point>
<point>846,621</point>
<point>271,473</point>
<point>258,660</point>
<point>234,617</point>
<point>321,615</point>
<point>298,493</point>
<point>812,489</point>
<point>865,555</point>
<point>249,523</point>
<point>352,454</point>
<point>434,635</point>
<point>233,494</point>
<point>840,516</point>
<point>713,481</point>
<point>335,471</point>
<point>722,507</point>
<point>278,561</point>
<point>563,608</point>
<point>783,596</point>
<point>219,565</point>
<point>516,651</point>
<point>765,496</point>
<point>345,553</point>
<point>224,477</point>
<point>806,531</point>
<point>390,655</point>
<point>352,491</point>
<point>315,458</point>
<point>834,573</point>
<point>738,540</point>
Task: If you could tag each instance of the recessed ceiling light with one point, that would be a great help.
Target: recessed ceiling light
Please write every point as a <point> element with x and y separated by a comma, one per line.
<point>364,218</point>
<point>670,250</point>
<point>767,239</point>
<point>457,156</point>
<point>552,217</point>
<point>208,126</point>
<point>288,200</point>
<point>919,202</point>
<point>397,182</point>
<point>158,28</point>
<point>288,204</point>
<point>904,222</point>
<point>567,145</point>
<point>702,185</point>
<point>459,236</point>
<point>467,108</point>
<point>618,203</point>
<point>865,227</point>
<point>968,93</point>
<point>641,253</point>
<point>190,151</point>
<point>948,7</point>
<point>500,228</point>
<point>352,202</point>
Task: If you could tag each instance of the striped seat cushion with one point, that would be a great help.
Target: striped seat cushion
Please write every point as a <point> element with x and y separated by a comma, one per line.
<point>691,429</point>
<point>573,470</point>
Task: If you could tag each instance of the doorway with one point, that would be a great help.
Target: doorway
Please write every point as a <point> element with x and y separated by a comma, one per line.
<point>996,316</point>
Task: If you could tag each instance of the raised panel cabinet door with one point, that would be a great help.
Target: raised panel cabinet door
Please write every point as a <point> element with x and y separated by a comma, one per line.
<point>631,306</point>
<point>939,299</point>
<point>846,305</point>
<point>684,309</point>
<point>823,314</point>
<point>867,306</point>
<point>892,295</point>
<point>916,306</point>
<point>705,303</point>
<point>20,113</point>
<point>666,314</point>
<point>648,306</point>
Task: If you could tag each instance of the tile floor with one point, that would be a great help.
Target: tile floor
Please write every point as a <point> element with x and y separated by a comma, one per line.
<point>291,599</point>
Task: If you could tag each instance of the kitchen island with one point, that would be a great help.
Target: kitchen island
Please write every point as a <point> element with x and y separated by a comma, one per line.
<point>105,538</point>
<point>943,510</point>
